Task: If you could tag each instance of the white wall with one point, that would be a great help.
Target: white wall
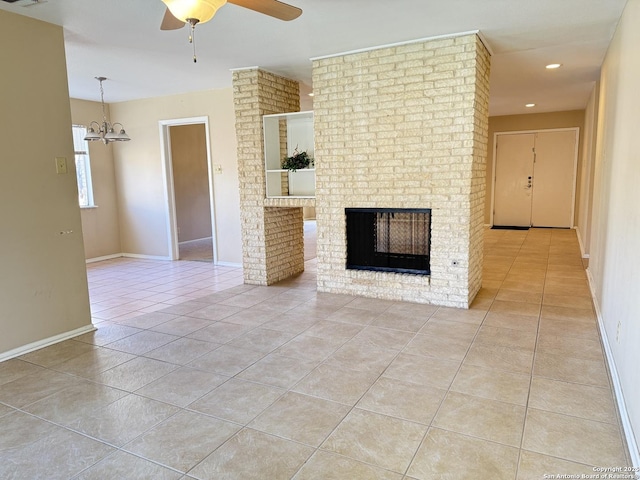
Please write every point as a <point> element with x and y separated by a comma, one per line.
<point>140,176</point>
<point>43,282</point>
<point>100,227</point>
<point>614,265</point>
<point>585,180</point>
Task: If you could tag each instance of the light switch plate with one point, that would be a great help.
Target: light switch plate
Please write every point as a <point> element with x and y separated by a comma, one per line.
<point>61,165</point>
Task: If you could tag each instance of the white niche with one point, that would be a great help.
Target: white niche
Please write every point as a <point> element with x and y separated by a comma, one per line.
<point>285,133</point>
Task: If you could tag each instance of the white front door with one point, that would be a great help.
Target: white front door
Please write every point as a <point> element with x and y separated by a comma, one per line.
<point>535,179</point>
<point>513,180</point>
<point>554,179</point>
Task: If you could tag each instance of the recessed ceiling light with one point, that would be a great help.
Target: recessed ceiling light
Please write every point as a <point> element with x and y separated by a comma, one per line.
<point>529,105</point>
<point>552,66</point>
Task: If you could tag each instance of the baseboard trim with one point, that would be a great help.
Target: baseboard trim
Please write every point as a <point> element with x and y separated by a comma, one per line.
<point>30,347</point>
<point>229,264</point>
<point>103,258</point>
<point>582,250</point>
<point>627,428</point>
<point>146,257</point>
<point>151,257</point>
<point>187,242</point>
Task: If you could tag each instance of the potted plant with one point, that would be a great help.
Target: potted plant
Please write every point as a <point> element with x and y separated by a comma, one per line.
<point>298,160</point>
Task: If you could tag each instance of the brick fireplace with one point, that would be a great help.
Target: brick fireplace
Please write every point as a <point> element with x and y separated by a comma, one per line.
<point>399,127</point>
<point>404,127</point>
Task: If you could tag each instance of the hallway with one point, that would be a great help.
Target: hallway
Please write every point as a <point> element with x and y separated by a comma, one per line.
<point>192,374</point>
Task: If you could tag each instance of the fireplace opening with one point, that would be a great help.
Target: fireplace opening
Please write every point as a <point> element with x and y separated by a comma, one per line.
<point>386,239</point>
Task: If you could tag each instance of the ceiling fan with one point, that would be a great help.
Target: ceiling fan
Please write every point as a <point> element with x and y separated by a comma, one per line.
<point>26,3</point>
<point>182,12</point>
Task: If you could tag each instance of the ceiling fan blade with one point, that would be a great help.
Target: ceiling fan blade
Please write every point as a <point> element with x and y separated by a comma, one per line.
<point>273,8</point>
<point>169,22</point>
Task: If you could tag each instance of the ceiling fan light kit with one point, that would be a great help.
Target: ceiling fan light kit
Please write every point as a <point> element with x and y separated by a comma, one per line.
<point>194,11</point>
<point>105,131</point>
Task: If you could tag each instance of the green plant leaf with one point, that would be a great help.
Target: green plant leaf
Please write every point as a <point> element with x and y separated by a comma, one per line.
<point>297,161</point>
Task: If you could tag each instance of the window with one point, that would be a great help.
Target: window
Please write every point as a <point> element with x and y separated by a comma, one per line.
<point>83,167</point>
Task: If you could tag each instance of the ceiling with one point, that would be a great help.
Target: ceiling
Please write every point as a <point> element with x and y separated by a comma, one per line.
<point>121,40</point>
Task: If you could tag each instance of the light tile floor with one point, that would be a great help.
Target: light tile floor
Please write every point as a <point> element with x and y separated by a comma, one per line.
<point>192,374</point>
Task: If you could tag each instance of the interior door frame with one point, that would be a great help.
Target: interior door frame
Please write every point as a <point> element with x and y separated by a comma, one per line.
<point>576,130</point>
<point>169,191</point>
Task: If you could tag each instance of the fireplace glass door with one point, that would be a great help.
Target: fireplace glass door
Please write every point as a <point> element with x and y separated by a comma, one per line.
<point>395,240</point>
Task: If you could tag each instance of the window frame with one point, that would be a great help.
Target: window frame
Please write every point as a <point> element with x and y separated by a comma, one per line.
<point>83,165</point>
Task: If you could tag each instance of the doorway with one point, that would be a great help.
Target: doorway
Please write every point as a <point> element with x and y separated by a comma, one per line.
<point>191,192</point>
<point>535,178</point>
<point>189,189</point>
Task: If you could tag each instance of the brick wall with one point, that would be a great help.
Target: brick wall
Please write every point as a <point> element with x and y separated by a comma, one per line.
<point>404,127</point>
<point>479,165</point>
<point>284,177</point>
<point>272,238</point>
<point>283,224</point>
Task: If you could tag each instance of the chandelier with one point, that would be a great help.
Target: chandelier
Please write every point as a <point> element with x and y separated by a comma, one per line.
<point>105,131</point>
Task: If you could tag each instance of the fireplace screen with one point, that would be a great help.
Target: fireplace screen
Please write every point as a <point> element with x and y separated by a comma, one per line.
<point>396,240</point>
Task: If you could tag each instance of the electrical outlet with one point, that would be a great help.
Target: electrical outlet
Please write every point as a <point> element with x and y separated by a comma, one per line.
<point>61,165</point>
<point>618,331</point>
<point>217,169</point>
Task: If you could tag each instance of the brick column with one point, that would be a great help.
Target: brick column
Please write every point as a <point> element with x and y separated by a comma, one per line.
<point>272,237</point>
<point>478,169</point>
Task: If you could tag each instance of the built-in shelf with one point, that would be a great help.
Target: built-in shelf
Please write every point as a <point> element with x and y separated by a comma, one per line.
<point>285,134</point>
